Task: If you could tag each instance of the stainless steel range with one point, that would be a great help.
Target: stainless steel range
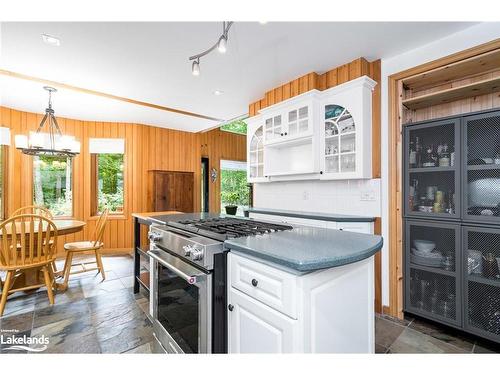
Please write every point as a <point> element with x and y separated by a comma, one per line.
<point>188,283</point>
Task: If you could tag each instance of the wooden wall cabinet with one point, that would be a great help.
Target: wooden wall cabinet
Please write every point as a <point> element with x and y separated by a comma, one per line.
<point>170,191</point>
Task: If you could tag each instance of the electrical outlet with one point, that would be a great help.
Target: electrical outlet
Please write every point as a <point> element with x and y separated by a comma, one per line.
<point>365,196</point>
<point>305,195</point>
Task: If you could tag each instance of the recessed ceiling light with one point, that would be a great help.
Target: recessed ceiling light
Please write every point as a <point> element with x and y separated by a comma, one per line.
<point>262,22</point>
<point>52,40</point>
<point>218,92</point>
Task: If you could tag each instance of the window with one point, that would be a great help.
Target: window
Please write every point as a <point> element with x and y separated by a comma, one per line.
<point>3,165</point>
<point>233,185</point>
<point>52,184</point>
<point>236,126</point>
<point>107,166</point>
<point>4,142</point>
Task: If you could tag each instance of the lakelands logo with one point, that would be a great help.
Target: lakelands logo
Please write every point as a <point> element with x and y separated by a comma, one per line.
<point>10,341</point>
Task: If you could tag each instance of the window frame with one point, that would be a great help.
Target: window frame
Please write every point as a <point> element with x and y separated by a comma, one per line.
<point>4,160</point>
<point>72,216</point>
<point>94,181</point>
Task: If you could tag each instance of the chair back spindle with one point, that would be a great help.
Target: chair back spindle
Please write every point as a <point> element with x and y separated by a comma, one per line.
<point>100,226</point>
<point>27,240</point>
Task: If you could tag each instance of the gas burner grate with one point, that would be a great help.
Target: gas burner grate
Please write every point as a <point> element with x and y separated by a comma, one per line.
<point>233,228</point>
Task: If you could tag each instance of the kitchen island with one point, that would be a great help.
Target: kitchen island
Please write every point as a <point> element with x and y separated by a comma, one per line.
<point>308,290</point>
<point>278,288</point>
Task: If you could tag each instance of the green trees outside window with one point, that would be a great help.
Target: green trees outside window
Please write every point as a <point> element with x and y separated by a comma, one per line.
<point>237,126</point>
<point>234,189</point>
<point>110,182</point>
<point>52,184</point>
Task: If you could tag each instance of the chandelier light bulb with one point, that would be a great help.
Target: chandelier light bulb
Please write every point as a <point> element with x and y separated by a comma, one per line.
<point>21,141</point>
<point>222,45</point>
<point>195,69</point>
<point>36,140</point>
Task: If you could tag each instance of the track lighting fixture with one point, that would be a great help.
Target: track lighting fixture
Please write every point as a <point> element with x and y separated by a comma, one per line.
<point>221,46</point>
<point>195,69</point>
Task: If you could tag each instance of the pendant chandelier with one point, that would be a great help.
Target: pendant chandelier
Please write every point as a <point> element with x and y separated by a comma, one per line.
<point>48,139</point>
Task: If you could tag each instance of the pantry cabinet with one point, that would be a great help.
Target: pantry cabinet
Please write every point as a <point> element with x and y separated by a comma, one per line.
<point>452,219</point>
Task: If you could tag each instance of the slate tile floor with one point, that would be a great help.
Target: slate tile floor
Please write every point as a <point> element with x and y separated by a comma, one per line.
<point>106,317</point>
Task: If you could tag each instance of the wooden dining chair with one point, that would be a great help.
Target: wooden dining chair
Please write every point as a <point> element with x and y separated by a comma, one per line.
<point>35,210</point>
<point>27,242</point>
<point>94,245</point>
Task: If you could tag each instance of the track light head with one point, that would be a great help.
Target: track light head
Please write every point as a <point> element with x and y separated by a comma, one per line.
<point>222,45</point>
<point>195,69</point>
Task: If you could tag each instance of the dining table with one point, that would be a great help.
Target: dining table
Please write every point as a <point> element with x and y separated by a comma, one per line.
<point>33,276</point>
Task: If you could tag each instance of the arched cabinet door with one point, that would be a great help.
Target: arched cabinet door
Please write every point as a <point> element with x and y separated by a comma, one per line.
<point>255,155</point>
<point>339,139</point>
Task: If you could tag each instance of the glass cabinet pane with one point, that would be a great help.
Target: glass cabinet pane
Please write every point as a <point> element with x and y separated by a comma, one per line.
<point>331,164</point>
<point>482,286</point>
<point>432,270</point>
<point>433,246</point>
<point>303,113</point>
<point>432,193</point>
<point>483,167</point>
<point>292,116</point>
<point>432,170</point>
<point>433,294</point>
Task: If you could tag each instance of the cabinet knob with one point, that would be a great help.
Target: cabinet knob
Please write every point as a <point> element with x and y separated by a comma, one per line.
<point>230,307</point>
<point>320,172</point>
<point>282,134</point>
<point>286,133</point>
<point>254,282</point>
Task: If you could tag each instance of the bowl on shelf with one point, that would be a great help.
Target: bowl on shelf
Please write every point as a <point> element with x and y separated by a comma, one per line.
<point>424,246</point>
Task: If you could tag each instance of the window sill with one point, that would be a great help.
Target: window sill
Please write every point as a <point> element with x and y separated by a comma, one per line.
<point>110,217</point>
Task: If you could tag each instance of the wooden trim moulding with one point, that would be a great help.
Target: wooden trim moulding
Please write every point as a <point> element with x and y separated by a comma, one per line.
<point>105,95</point>
<point>395,240</point>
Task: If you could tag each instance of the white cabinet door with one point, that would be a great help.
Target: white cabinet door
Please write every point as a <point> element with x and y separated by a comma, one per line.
<point>256,328</point>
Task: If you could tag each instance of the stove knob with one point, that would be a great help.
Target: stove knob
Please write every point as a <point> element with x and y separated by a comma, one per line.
<point>197,254</point>
<point>154,236</point>
<point>188,249</point>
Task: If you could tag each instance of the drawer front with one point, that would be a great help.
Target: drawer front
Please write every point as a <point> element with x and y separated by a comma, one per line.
<point>360,227</point>
<point>290,220</point>
<point>273,287</point>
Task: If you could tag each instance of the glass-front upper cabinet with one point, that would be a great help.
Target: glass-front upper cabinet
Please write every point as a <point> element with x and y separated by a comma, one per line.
<point>273,127</point>
<point>345,131</point>
<point>290,119</point>
<point>255,149</point>
<point>340,140</point>
<point>432,169</point>
<point>482,170</point>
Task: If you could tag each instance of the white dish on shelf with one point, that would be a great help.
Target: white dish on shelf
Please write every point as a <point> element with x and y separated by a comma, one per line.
<point>423,254</point>
<point>477,256</point>
<point>424,245</point>
<point>426,261</point>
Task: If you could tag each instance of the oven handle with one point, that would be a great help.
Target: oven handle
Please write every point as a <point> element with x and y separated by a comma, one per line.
<point>190,278</point>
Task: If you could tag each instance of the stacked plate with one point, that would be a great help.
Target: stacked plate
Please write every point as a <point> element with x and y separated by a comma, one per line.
<point>426,255</point>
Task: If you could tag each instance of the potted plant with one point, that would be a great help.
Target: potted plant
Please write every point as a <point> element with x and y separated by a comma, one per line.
<point>232,198</point>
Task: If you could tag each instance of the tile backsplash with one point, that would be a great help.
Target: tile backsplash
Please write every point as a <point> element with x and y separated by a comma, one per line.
<point>354,197</point>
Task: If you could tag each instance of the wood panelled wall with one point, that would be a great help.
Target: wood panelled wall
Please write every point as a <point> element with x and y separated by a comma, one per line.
<point>331,78</point>
<point>146,148</point>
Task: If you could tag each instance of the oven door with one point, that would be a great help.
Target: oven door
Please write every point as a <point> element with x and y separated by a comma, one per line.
<point>180,304</point>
